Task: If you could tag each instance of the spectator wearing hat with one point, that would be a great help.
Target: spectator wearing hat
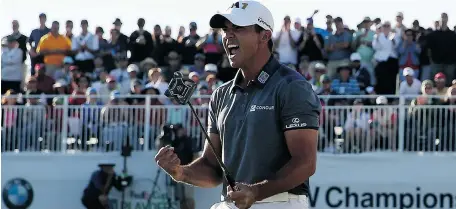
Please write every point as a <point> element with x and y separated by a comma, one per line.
<point>85,46</point>
<point>54,47</point>
<point>356,126</point>
<point>44,82</point>
<point>195,77</point>
<point>345,84</point>
<point>12,65</point>
<point>199,64</point>
<point>410,86</point>
<point>310,43</point>
<point>317,71</point>
<point>383,124</point>
<point>442,47</point>
<point>189,45</point>
<point>100,184</point>
<point>408,51</point>
<point>157,81</point>
<point>361,73</point>
<point>136,88</point>
<point>400,28</point>
<point>20,38</point>
<point>33,118</point>
<point>121,74</point>
<point>122,38</point>
<point>362,44</point>
<point>133,71</point>
<point>440,84</point>
<point>338,47</point>
<point>60,87</point>
<point>140,43</point>
<point>114,120</point>
<point>34,40</point>
<point>104,89</point>
<point>386,58</point>
<point>145,66</point>
<point>285,42</point>
<point>63,73</point>
<point>90,116</point>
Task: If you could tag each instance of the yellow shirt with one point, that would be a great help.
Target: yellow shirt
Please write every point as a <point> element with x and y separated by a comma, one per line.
<point>50,42</point>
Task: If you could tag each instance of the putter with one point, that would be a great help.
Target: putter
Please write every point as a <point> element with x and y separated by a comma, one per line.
<point>181,90</point>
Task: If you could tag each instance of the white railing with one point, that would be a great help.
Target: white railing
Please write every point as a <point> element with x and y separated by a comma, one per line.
<point>104,128</point>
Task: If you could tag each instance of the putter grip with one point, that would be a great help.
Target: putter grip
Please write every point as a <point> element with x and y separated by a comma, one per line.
<point>230,181</point>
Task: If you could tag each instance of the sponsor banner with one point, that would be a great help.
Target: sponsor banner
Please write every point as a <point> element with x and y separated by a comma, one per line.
<point>374,181</point>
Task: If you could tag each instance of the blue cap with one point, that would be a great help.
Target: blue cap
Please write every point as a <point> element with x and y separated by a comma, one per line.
<point>68,60</point>
<point>90,91</point>
<point>42,15</point>
<point>310,20</point>
<point>115,94</point>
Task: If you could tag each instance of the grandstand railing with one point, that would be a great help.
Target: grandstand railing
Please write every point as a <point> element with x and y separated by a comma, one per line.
<point>105,128</point>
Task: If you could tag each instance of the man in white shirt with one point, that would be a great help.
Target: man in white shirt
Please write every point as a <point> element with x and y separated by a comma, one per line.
<point>410,86</point>
<point>285,43</point>
<point>121,74</point>
<point>85,46</point>
<point>400,27</point>
<point>12,72</point>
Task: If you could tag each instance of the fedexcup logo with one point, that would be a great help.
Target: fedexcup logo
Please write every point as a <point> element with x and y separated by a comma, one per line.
<point>17,194</point>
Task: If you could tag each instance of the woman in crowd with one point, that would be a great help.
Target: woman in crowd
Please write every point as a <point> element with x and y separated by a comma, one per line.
<point>9,121</point>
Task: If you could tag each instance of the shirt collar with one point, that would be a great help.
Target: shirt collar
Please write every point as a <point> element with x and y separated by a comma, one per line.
<point>262,78</point>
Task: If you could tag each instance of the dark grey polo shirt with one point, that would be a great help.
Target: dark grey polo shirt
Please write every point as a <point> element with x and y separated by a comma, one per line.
<point>251,122</point>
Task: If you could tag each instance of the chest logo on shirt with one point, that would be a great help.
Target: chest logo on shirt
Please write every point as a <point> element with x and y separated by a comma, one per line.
<point>253,108</point>
<point>263,77</point>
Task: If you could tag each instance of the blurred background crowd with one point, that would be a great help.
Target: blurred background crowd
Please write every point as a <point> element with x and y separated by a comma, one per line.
<point>103,67</point>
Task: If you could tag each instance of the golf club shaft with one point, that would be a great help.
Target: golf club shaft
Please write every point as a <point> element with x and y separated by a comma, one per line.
<point>224,169</point>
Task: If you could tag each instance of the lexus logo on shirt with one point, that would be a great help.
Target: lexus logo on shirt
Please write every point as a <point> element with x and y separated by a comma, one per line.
<point>295,124</point>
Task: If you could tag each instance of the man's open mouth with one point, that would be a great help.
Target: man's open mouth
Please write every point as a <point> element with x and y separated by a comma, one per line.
<point>232,49</point>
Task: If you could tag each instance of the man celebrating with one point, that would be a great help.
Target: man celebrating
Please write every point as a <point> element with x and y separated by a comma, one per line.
<point>264,121</point>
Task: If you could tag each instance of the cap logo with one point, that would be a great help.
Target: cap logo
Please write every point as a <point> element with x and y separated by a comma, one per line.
<point>260,20</point>
<point>236,5</point>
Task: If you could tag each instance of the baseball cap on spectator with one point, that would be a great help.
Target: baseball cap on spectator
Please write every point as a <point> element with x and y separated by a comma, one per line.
<point>68,60</point>
<point>117,22</point>
<point>148,61</point>
<point>211,68</point>
<point>366,20</point>
<point>245,13</point>
<point>193,26</point>
<point>320,67</point>
<point>408,72</point>
<point>298,20</point>
<point>99,30</point>
<point>400,14</point>
<point>91,91</point>
<point>115,94</point>
<point>355,57</point>
<point>132,67</point>
<point>10,39</point>
<point>310,20</point>
<point>439,76</point>
<point>381,100</point>
<point>200,56</point>
<point>190,75</point>
<point>60,83</point>
<point>324,78</point>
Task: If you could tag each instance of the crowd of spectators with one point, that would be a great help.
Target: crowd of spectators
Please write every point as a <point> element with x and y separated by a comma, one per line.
<point>376,58</point>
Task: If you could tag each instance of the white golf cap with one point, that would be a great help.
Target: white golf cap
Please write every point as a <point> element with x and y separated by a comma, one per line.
<point>210,68</point>
<point>355,57</point>
<point>408,71</point>
<point>245,13</point>
<point>132,67</point>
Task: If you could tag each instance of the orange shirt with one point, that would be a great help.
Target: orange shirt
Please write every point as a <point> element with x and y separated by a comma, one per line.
<point>50,42</point>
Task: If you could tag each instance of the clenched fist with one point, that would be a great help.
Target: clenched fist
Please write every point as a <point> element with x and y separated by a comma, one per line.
<point>167,159</point>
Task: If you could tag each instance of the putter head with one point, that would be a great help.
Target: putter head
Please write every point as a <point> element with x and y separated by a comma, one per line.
<point>180,89</point>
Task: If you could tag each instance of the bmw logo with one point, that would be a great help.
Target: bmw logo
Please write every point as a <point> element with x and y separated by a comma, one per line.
<point>17,194</point>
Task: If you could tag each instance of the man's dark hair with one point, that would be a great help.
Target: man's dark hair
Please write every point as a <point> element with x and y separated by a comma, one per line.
<point>258,29</point>
<point>69,22</point>
<point>55,22</point>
